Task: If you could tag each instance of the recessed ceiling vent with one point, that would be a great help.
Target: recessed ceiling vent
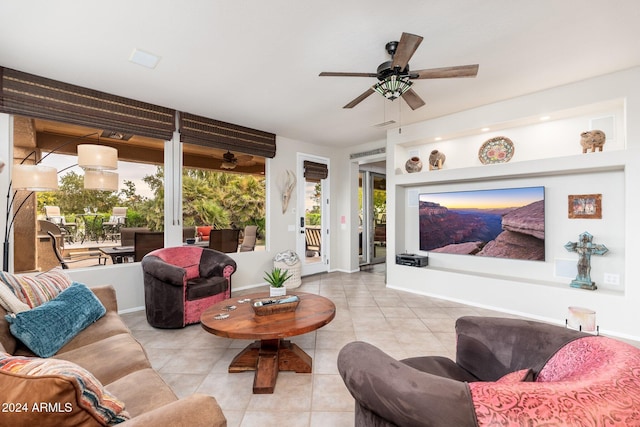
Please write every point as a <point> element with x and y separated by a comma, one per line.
<point>368,153</point>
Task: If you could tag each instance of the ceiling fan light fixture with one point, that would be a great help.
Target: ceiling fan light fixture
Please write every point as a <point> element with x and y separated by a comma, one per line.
<point>227,165</point>
<point>393,86</point>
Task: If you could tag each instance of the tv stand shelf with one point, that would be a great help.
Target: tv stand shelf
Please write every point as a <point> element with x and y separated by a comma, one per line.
<point>568,165</point>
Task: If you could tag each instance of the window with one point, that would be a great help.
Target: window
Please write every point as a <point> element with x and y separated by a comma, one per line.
<point>218,192</point>
<point>222,190</point>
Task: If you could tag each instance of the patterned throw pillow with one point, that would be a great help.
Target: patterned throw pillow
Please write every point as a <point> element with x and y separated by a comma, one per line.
<point>36,290</point>
<point>9,301</point>
<point>49,376</point>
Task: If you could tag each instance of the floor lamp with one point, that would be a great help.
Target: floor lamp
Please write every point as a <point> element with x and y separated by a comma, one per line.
<point>94,159</point>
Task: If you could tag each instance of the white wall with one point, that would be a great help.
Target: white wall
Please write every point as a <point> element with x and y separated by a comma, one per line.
<point>546,154</point>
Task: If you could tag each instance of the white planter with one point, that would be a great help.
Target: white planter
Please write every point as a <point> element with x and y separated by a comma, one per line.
<point>277,292</point>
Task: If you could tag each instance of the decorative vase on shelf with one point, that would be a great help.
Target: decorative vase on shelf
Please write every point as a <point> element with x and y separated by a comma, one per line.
<point>436,160</point>
<point>414,164</point>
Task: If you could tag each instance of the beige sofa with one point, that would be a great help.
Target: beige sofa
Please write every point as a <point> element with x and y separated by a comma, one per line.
<point>108,351</point>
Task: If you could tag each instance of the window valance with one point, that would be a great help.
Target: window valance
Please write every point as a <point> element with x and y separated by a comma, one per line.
<point>315,171</point>
<point>33,96</point>
<point>214,133</point>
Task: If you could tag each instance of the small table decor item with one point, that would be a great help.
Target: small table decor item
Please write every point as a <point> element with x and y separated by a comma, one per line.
<point>272,305</point>
<point>276,278</point>
<point>496,150</point>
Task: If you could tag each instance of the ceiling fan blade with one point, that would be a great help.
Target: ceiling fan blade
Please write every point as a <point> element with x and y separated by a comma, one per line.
<point>412,98</point>
<point>359,99</point>
<point>343,74</point>
<point>405,50</point>
<point>447,72</point>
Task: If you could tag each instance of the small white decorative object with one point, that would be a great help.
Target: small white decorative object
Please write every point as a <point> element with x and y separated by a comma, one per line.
<point>288,260</point>
<point>277,292</point>
<point>581,319</point>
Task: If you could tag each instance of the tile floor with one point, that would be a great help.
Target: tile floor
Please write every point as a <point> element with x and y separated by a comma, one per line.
<point>401,324</point>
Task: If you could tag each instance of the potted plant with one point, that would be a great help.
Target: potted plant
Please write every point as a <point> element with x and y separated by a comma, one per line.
<point>276,279</point>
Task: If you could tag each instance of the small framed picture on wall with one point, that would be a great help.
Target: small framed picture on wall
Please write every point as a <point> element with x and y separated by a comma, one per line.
<point>585,206</point>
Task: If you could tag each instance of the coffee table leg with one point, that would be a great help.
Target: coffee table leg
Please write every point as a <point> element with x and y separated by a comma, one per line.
<point>247,359</point>
<point>266,374</point>
<point>267,358</point>
<point>293,358</point>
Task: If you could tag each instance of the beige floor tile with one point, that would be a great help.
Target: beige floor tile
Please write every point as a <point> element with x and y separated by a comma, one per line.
<point>275,418</point>
<point>330,394</point>
<point>292,393</point>
<point>183,385</point>
<point>232,391</point>
<point>332,419</point>
<point>234,418</point>
<point>324,361</point>
<point>333,339</point>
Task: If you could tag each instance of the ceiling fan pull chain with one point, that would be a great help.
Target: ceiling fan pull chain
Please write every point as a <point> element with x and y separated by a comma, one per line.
<point>400,117</point>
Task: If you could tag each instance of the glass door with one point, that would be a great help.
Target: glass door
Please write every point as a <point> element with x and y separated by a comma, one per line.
<point>372,230</point>
<point>313,204</point>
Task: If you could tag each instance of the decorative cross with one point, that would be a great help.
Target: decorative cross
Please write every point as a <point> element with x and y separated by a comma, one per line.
<point>585,248</point>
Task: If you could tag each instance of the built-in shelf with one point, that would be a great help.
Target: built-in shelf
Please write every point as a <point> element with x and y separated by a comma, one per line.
<point>532,281</point>
<point>582,163</point>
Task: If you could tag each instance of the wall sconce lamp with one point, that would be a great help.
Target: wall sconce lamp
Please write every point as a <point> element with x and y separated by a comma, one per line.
<point>94,159</point>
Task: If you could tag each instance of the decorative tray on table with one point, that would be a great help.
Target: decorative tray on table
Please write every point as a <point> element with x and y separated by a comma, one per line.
<point>272,305</point>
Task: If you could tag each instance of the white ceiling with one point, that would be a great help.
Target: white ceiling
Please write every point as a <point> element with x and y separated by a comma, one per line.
<point>256,62</point>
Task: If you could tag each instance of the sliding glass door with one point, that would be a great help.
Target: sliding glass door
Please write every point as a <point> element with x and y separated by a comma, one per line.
<point>372,231</point>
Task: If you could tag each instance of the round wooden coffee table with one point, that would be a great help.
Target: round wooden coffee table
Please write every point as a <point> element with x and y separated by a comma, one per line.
<point>270,353</point>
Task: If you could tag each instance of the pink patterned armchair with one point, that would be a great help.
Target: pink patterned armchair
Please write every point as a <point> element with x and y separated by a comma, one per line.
<point>181,282</point>
<point>507,372</point>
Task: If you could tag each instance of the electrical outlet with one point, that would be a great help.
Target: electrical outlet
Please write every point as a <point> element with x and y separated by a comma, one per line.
<point>612,279</point>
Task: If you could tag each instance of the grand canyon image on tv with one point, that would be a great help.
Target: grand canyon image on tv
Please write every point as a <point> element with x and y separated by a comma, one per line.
<point>503,223</point>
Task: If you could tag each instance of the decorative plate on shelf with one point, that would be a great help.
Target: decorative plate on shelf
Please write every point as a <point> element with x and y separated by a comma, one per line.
<point>496,150</point>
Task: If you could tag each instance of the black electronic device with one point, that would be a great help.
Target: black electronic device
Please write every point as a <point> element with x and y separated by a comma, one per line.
<point>412,260</point>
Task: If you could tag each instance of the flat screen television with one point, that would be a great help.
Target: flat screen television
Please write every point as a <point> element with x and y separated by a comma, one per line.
<point>503,223</point>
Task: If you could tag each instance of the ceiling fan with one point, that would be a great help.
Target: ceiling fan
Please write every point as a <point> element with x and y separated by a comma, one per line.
<point>230,160</point>
<point>394,76</point>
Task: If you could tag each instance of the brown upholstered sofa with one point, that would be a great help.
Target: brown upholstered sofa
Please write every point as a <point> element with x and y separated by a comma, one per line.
<point>107,350</point>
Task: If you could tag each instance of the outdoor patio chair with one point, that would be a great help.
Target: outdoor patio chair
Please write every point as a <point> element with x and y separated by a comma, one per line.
<point>313,240</point>
<point>145,242</point>
<point>249,238</point>
<point>225,240</point>
<point>117,220</point>
<point>52,214</point>
<point>64,263</point>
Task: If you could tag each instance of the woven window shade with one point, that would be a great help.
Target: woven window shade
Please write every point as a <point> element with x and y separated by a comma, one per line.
<point>38,97</point>
<point>315,171</point>
<point>213,133</point>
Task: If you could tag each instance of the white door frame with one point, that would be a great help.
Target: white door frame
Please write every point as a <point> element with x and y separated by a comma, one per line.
<point>323,265</point>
